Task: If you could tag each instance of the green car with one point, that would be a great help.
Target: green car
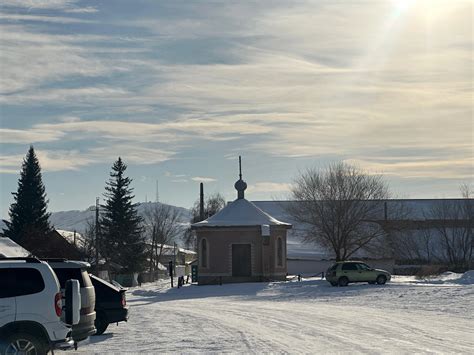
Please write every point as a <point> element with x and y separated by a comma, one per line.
<point>344,272</point>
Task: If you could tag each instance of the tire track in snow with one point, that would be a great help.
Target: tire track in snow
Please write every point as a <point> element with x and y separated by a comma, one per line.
<point>401,319</point>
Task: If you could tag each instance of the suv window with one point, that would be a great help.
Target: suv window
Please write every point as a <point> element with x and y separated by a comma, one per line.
<point>65,274</point>
<point>5,283</point>
<point>349,266</point>
<point>363,267</point>
<point>20,282</point>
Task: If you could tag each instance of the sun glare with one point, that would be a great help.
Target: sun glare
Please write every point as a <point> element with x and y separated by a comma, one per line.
<point>402,6</point>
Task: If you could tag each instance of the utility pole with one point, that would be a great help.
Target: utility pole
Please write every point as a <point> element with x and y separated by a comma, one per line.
<point>201,203</point>
<point>174,256</point>
<point>170,266</point>
<point>97,235</point>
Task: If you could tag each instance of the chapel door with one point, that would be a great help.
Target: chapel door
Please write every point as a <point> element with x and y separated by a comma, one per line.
<point>241,260</point>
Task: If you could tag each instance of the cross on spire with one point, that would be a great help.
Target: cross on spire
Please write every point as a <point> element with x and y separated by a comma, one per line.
<point>240,167</point>
<point>240,185</point>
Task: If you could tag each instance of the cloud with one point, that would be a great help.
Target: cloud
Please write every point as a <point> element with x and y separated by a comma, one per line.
<point>314,80</point>
<point>268,187</point>
<point>81,10</point>
<point>35,18</point>
<point>67,5</point>
<point>454,168</point>
<point>26,136</point>
<point>203,179</point>
<point>182,129</point>
<point>36,59</point>
<point>59,160</point>
<point>130,153</point>
<point>10,164</point>
<point>64,160</point>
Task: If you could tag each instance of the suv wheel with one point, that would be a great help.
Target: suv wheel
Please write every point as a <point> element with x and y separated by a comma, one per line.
<point>381,279</point>
<point>101,323</point>
<point>24,343</point>
<point>343,281</point>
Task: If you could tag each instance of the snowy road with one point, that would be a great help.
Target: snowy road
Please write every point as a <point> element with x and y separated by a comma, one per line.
<point>405,316</point>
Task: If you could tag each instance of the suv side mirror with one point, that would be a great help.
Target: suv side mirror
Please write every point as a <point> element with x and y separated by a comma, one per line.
<point>73,302</point>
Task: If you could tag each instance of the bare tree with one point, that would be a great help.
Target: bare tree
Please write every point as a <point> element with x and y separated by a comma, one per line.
<point>453,224</point>
<point>414,246</point>
<point>213,204</point>
<point>89,237</point>
<point>340,204</point>
<point>163,226</point>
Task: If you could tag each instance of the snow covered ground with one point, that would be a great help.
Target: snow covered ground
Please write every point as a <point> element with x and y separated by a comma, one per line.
<point>405,316</point>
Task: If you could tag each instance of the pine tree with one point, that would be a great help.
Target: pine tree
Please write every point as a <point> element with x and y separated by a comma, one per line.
<point>122,237</point>
<point>29,223</point>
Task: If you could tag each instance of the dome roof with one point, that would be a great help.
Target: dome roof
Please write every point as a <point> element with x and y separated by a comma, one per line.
<point>239,213</point>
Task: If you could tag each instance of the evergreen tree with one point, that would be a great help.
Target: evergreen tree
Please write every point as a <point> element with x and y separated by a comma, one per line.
<point>29,223</point>
<point>122,237</point>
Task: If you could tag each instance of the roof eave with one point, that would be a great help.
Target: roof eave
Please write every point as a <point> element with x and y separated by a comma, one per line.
<point>210,226</point>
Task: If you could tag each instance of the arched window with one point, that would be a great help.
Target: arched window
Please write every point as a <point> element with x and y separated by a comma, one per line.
<point>203,252</point>
<point>279,251</point>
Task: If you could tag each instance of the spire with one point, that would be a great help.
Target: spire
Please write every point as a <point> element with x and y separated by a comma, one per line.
<point>240,167</point>
<point>240,185</point>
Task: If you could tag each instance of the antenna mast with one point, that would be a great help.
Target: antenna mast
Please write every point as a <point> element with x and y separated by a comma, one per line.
<point>157,192</point>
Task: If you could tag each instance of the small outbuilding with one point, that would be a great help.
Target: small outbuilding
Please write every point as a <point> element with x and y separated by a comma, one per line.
<point>241,243</point>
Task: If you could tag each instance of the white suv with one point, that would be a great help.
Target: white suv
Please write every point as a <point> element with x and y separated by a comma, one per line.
<point>31,307</point>
<point>69,269</point>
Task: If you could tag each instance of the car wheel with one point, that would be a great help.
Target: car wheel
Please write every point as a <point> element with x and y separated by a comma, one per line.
<point>101,324</point>
<point>343,281</point>
<point>24,343</point>
<point>381,279</point>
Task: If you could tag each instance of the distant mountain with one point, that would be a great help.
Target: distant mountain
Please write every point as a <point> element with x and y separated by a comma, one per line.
<point>78,220</point>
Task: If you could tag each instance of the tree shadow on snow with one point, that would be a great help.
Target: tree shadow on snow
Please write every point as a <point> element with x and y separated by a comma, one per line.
<point>255,291</point>
<point>239,290</point>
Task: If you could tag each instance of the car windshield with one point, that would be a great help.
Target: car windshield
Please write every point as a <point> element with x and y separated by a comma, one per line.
<point>364,266</point>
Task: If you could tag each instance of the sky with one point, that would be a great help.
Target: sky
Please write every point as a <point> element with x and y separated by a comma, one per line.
<point>180,89</point>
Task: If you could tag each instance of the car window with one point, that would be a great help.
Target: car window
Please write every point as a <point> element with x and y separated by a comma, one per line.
<point>364,267</point>
<point>332,268</point>
<point>65,274</point>
<point>349,266</point>
<point>20,282</point>
<point>5,283</point>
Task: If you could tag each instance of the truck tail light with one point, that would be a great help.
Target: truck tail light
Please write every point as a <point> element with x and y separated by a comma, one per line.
<point>124,301</point>
<point>58,307</point>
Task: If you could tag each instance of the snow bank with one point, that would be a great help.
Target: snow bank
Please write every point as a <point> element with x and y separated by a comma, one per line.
<point>446,278</point>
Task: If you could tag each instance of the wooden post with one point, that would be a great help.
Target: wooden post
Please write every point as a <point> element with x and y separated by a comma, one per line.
<point>171,272</point>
